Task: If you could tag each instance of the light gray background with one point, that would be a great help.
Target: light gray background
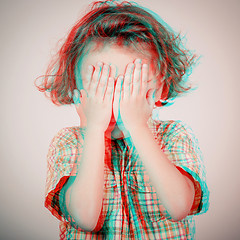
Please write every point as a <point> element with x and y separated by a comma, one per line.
<point>29,34</point>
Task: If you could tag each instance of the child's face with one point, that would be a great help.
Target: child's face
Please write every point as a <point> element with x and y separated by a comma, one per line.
<point>118,58</point>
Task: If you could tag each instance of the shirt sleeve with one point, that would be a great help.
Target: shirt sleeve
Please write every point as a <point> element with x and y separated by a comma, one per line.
<point>62,158</point>
<point>181,147</point>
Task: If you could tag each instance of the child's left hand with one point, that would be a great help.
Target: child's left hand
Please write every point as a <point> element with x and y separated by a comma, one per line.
<point>134,107</point>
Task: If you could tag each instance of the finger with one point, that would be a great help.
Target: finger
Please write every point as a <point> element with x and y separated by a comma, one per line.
<point>113,71</point>
<point>145,72</point>
<point>127,84</point>
<point>118,87</point>
<point>137,78</point>
<point>109,91</point>
<point>95,78</point>
<point>103,81</point>
<point>89,76</point>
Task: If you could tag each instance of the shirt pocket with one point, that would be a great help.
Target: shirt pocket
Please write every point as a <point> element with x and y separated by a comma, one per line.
<point>144,198</point>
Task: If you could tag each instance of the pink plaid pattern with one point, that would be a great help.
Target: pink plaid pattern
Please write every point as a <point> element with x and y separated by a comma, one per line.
<point>131,208</point>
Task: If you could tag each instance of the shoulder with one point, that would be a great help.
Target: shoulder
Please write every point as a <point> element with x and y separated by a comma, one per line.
<point>67,138</point>
<point>174,133</point>
<point>169,128</point>
<point>170,131</point>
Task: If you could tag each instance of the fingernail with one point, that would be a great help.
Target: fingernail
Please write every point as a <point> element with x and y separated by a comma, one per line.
<point>90,67</point>
<point>138,60</point>
<point>106,66</point>
<point>99,64</point>
<point>130,66</point>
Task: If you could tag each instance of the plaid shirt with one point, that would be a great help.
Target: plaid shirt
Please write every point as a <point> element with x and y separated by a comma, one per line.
<point>131,208</point>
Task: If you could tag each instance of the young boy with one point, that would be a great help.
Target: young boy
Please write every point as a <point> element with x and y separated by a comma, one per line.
<point>121,174</point>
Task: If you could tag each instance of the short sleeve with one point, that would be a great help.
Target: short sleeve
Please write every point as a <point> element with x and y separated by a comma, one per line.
<point>182,148</point>
<point>62,159</point>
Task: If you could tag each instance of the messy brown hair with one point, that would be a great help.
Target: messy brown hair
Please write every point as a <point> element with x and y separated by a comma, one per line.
<point>125,24</point>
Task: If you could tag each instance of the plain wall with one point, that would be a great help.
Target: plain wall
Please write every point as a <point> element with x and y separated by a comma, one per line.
<point>30,31</point>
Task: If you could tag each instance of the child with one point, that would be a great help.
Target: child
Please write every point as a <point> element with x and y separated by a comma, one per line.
<point>121,174</point>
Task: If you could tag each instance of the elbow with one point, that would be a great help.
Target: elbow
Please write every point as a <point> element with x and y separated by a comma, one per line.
<point>85,217</point>
<point>84,223</point>
<point>84,220</point>
<point>183,207</point>
<point>180,213</point>
<point>179,216</point>
<point>185,203</point>
<point>86,226</point>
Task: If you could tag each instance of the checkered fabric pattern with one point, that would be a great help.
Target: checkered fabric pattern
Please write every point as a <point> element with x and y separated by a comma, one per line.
<point>131,208</point>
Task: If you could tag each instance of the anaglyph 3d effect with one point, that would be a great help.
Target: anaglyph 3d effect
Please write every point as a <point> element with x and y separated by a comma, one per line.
<point>121,174</point>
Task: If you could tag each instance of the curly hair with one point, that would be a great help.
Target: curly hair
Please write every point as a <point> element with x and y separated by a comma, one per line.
<point>125,24</point>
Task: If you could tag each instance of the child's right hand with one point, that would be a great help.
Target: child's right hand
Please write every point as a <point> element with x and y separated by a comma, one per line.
<point>94,107</point>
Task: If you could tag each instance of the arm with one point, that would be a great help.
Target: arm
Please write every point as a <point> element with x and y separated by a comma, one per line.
<point>84,196</point>
<point>174,190</point>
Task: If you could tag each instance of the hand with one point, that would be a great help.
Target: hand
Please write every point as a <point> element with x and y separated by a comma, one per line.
<point>131,93</point>
<point>95,105</point>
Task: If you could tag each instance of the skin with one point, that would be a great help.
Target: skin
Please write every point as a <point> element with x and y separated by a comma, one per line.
<point>111,99</point>
<point>118,59</point>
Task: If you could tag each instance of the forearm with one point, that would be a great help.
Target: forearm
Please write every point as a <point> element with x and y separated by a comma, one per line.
<point>84,196</point>
<point>175,191</point>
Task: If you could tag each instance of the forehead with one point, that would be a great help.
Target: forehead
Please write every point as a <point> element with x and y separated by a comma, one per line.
<point>118,56</point>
